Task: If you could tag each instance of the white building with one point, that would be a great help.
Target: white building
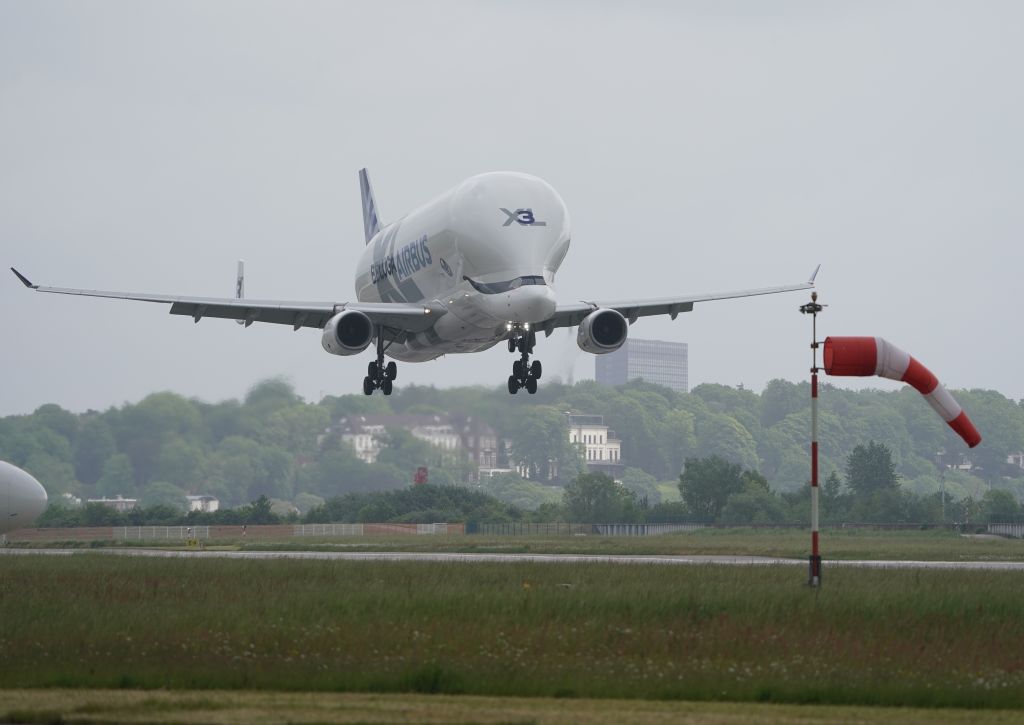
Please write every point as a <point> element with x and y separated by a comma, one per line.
<point>117,503</point>
<point>206,504</point>
<point>459,435</point>
<point>601,448</point>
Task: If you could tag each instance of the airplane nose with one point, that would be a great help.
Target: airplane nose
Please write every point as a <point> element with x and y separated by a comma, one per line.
<point>25,497</point>
<point>534,303</point>
<point>35,501</point>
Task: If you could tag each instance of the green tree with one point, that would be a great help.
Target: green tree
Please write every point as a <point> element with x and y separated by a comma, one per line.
<point>754,504</point>
<point>60,421</point>
<point>834,502</point>
<point>781,398</point>
<point>402,449</point>
<point>707,483</point>
<point>182,463</point>
<point>268,396</point>
<point>643,485</point>
<point>880,506</point>
<point>163,494</point>
<point>295,429</point>
<point>720,435</point>
<point>999,507</point>
<point>870,469</point>
<point>98,514</point>
<point>339,471</point>
<point>55,475</point>
<point>142,429</point>
<point>306,502</point>
<point>1001,424</point>
<point>519,492</point>
<point>117,477</point>
<point>540,441</point>
<point>596,498</point>
<point>678,440</point>
<point>260,511</point>
<point>93,446</point>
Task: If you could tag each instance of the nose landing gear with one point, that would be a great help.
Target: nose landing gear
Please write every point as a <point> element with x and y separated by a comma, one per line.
<point>378,375</point>
<point>524,373</point>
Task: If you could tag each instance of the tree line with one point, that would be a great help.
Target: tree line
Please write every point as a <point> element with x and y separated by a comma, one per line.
<point>272,444</point>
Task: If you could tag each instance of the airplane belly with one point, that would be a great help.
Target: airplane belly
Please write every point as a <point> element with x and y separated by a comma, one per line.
<point>451,334</point>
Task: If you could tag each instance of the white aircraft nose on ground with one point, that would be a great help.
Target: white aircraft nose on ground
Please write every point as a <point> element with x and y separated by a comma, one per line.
<point>22,498</point>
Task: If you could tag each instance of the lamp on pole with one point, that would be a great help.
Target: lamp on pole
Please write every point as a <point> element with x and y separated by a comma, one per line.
<point>812,308</point>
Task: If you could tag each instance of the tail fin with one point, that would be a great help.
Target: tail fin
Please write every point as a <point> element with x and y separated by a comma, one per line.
<point>240,285</point>
<point>371,223</point>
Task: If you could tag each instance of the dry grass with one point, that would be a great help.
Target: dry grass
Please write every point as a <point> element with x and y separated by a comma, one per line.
<point>241,708</point>
<point>868,637</point>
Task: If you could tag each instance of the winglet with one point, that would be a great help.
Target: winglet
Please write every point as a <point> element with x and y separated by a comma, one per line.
<point>814,274</point>
<point>24,279</point>
<point>371,222</point>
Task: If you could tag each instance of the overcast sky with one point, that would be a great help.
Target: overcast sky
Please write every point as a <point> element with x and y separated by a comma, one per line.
<point>700,147</point>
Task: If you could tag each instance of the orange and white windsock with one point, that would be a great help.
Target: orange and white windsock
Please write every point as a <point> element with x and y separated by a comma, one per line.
<point>862,356</point>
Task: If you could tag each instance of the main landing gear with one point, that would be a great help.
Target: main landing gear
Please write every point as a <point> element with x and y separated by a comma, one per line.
<point>378,375</point>
<point>524,373</point>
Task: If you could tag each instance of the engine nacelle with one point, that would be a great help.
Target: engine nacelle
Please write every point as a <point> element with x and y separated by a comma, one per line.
<point>347,333</point>
<point>602,331</point>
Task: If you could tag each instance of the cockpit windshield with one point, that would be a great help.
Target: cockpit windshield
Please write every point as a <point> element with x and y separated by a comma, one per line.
<point>495,288</point>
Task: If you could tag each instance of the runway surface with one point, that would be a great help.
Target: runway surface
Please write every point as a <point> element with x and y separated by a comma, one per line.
<point>695,560</point>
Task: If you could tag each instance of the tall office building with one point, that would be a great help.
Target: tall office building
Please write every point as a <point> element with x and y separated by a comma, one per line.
<point>656,361</point>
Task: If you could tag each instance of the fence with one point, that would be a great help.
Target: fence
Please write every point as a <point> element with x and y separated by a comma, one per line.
<point>160,533</point>
<point>374,529</point>
<point>1014,530</point>
<point>579,529</point>
<point>329,530</point>
<point>644,529</point>
<point>563,529</point>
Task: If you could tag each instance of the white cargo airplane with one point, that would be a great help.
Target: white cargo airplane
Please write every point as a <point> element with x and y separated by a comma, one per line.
<point>472,268</point>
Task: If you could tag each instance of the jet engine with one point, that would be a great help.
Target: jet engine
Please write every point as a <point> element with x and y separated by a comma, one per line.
<point>347,333</point>
<point>602,331</point>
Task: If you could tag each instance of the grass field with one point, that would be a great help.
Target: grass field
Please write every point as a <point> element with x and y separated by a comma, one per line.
<point>930,545</point>
<point>754,634</point>
<point>242,708</point>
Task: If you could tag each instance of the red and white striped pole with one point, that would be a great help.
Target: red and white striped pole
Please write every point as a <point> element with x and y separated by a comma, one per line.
<point>813,308</point>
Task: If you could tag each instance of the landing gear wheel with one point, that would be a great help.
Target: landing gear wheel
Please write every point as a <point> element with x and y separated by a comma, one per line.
<point>379,375</point>
<point>524,373</point>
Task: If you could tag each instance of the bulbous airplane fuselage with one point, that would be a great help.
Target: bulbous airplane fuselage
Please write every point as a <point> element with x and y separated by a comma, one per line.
<point>22,498</point>
<point>487,251</point>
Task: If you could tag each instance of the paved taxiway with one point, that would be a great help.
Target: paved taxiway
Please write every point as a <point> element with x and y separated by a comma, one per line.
<point>695,560</point>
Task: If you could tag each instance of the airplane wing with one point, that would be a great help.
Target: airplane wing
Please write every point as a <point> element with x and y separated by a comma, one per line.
<point>569,315</point>
<point>400,317</point>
